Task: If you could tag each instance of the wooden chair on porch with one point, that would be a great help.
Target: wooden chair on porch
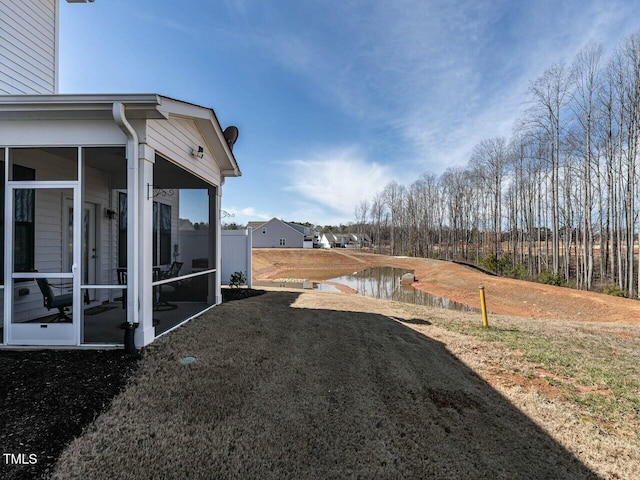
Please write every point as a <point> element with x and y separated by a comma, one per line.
<point>61,302</point>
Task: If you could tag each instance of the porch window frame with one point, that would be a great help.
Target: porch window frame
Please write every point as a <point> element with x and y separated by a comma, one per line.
<point>30,224</point>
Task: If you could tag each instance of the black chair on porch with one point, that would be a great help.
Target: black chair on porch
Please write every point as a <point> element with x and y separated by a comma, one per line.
<point>122,280</point>
<point>172,272</point>
<point>61,302</point>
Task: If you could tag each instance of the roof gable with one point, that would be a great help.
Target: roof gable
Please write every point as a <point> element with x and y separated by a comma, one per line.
<point>137,106</point>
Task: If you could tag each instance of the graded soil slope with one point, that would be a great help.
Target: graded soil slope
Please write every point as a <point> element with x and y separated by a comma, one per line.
<point>456,282</point>
<point>285,388</point>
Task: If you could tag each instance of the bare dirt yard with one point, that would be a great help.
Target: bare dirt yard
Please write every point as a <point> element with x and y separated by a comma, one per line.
<point>456,282</point>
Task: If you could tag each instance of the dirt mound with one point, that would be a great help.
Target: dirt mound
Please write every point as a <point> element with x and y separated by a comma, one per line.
<point>457,282</point>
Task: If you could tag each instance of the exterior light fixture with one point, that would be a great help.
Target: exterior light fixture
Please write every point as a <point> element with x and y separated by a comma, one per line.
<point>199,153</point>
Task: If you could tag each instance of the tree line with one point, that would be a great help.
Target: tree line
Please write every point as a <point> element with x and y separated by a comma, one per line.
<point>558,201</point>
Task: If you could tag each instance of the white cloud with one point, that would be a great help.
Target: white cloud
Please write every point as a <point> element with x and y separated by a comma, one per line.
<point>337,180</point>
<point>440,76</point>
<point>243,215</point>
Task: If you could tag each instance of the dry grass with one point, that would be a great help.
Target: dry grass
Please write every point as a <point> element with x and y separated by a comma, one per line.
<point>316,385</point>
<point>580,381</point>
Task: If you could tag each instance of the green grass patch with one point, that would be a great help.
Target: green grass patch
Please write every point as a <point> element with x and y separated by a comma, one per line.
<point>607,365</point>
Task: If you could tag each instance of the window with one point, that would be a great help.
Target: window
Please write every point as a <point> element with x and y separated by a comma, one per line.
<point>24,220</point>
<point>122,230</point>
<point>283,242</point>
<point>165,234</point>
<point>155,233</point>
<point>161,232</point>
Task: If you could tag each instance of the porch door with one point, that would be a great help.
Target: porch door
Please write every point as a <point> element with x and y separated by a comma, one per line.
<point>44,257</point>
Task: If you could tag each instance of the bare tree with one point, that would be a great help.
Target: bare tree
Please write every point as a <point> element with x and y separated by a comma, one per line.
<point>489,162</point>
<point>549,93</point>
<point>585,80</point>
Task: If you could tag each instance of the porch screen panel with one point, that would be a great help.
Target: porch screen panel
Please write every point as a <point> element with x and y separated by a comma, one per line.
<point>1,315</point>
<point>104,219</point>
<point>55,163</point>
<point>45,301</point>
<point>181,299</point>
<point>23,219</point>
<point>102,322</point>
<point>184,284</point>
<point>195,237</point>
<point>43,237</point>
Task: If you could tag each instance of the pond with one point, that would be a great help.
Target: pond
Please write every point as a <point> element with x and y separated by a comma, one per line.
<point>384,283</point>
<point>379,282</point>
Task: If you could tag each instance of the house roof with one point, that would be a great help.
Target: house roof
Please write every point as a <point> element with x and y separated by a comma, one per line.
<point>137,106</point>
<point>301,228</point>
<point>255,224</point>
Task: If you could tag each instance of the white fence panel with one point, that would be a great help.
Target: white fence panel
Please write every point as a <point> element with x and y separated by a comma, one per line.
<point>236,254</point>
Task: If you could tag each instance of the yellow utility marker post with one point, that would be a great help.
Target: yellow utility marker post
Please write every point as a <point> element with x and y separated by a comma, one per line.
<point>483,307</point>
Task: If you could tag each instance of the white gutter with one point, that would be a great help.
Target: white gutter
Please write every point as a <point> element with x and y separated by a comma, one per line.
<point>120,118</point>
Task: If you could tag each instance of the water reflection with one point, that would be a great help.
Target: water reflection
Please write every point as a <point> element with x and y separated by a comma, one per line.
<point>384,283</point>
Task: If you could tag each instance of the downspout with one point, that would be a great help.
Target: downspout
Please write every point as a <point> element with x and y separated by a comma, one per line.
<point>120,118</point>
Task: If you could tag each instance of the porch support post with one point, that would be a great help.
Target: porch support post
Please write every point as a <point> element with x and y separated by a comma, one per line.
<point>119,116</point>
<point>145,333</point>
<point>215,196</point>
<point>8,253</point>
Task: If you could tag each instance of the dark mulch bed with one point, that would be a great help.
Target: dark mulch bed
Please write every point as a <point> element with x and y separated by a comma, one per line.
<point>48,397</point>
<point>231,294</point>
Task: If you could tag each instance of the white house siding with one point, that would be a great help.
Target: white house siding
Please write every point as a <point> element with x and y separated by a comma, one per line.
<point>275,230</point>
<point>28,46</point>
<point>174,139</point>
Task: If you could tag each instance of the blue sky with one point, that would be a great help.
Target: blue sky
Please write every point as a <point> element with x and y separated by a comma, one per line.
<point>334,98</point>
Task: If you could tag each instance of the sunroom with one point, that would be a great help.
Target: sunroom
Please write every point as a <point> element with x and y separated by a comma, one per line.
<point>110,216</point>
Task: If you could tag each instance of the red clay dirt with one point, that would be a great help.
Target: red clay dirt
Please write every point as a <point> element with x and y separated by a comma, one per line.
<point>459,283</point>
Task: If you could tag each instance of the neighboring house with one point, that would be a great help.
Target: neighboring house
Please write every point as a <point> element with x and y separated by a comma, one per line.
<point>359,240</point>
<point>92,187</point>
<point>328,240</point>
<point>334,240</point>
<point>280,234</point>
<point>343,240</point>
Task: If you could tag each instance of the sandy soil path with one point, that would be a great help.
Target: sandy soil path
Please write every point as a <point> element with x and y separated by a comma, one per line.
<point>285,388</point>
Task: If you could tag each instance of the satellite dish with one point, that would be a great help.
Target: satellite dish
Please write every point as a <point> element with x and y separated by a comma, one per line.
<point>231,135</point>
